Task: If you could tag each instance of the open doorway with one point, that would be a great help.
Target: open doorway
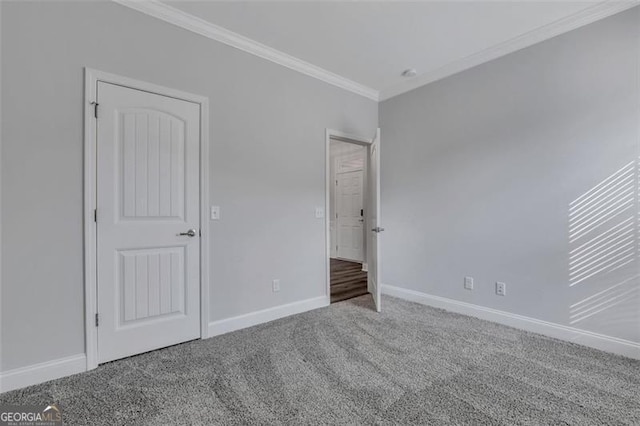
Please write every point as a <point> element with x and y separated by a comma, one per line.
<point>353,209</point>
<point>347,168</point>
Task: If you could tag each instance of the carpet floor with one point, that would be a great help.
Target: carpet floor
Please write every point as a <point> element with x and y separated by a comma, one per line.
<point>346,364</point>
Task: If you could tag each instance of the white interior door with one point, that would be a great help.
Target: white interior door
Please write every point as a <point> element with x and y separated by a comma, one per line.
<point>148,149</point>
<point>373,219</point>
<point>349,208</point>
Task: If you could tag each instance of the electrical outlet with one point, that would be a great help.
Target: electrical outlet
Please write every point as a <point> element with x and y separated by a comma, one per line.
<point>468,283</point>
<point>501,289</point>
<point>319,212</point>
<point>275,286</point>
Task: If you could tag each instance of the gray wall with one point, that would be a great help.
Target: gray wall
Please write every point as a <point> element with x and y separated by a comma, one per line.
<point>267,164</point>
<point>479,171</point>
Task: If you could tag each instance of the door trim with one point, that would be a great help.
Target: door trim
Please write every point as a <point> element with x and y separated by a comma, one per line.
<point>344,137</point>
<point>91,79</point>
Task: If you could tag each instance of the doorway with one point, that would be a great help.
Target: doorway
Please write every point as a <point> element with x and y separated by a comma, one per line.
<point>145,177</point>
<point>352,206</point>
<point>348,269</point>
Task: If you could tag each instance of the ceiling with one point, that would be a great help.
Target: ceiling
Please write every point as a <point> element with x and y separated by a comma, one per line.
<point>371,43</point>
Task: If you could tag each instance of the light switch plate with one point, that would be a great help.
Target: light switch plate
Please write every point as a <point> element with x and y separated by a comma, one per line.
<point>319,212</point>
<point>215,212</point>
<point>468,283</point>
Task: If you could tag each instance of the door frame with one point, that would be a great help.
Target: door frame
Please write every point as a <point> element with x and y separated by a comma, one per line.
<point>349,138</point>
<point>91,79</point>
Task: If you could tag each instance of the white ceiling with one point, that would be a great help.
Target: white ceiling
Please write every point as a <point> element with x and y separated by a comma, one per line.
<point>371,43</point>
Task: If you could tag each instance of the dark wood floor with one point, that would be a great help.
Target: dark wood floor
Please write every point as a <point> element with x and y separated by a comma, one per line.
<point>347,280</point>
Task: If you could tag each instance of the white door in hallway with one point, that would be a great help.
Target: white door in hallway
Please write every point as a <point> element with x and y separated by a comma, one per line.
<point>148,248</point>
<point>373,222</point>
<point>350,221</point>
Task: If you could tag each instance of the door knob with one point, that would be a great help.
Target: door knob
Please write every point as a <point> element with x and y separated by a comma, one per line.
<point>189,233</point>
<point>377,229</point>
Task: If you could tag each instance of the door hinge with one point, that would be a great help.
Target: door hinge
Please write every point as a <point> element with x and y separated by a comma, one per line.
<point>97,320</point>
<point>336,182</point>
<point>95,215</point>
<point>95,109</point>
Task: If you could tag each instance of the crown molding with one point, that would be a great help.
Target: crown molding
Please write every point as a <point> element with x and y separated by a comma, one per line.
<point>204,28</point>
<point>577,20</point>
<point>172,15</point>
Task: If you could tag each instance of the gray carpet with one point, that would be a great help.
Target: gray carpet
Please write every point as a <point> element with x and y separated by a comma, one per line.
<point>349,365</point>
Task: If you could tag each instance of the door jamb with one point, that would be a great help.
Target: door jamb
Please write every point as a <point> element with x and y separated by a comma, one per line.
<point>91,79</point>
<point>344,137</point>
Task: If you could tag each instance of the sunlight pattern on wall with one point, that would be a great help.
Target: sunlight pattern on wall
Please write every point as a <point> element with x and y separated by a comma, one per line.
<point>603,300</point>
<point>603,243</point>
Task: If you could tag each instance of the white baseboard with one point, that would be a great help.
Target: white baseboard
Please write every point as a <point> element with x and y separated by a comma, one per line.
<point>227,325</point>
<point>587,338</point>
<point>43,372</point>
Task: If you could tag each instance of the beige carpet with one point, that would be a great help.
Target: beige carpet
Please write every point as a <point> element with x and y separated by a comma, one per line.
<point>346,364</point>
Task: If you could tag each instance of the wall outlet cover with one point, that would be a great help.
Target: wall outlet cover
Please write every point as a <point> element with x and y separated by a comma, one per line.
<point>468,283</point>
<point>501,289</point>
<point>215,212</point>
